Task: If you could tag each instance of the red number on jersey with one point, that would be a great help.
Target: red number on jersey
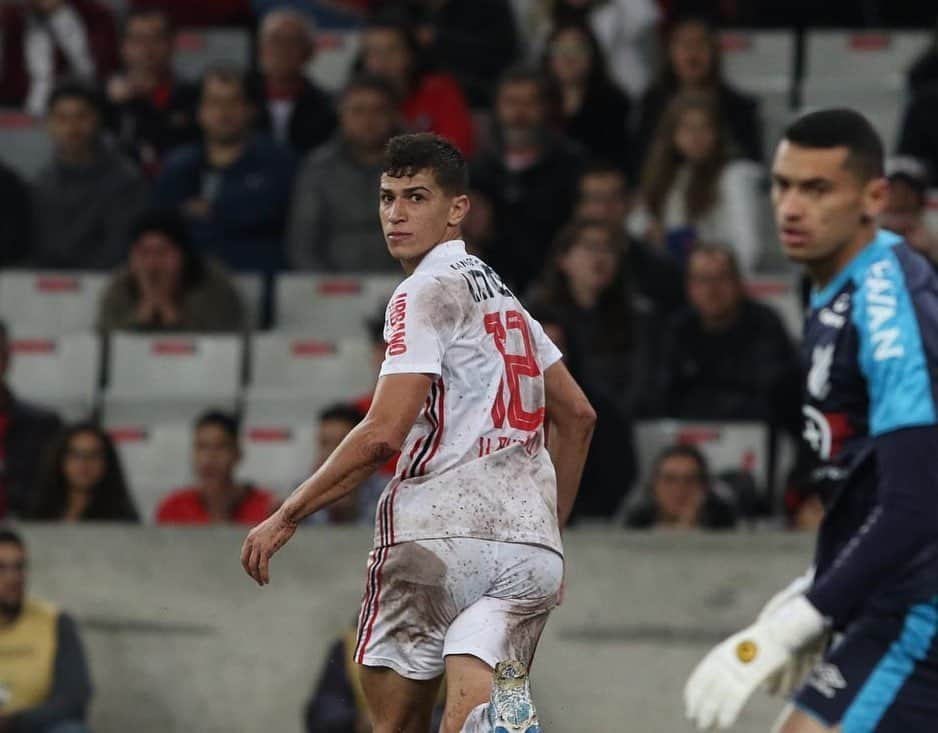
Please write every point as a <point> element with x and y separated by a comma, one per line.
<point>516,366</point>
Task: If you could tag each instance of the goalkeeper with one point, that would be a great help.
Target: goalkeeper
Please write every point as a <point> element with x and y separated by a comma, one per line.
<point>870,354</point>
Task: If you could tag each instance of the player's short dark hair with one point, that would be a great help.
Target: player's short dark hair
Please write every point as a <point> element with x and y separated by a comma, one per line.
<point>341,411</point>
<point>407,155</point>
<point>219,419</point>
<point>80,90</point>
<point>683,450</point>
<point>370,83</point>
<point>841,127</point>
<point>11,537</point>
<point>148,11</point>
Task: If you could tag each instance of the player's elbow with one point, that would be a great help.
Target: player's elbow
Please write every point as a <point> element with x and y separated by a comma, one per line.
<point>579,418</point>
<point>380,443</point>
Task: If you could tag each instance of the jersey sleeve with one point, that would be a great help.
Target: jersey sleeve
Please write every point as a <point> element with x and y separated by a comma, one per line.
<point>890,321</point>
<point>547,353</point>
<point>419,324</point>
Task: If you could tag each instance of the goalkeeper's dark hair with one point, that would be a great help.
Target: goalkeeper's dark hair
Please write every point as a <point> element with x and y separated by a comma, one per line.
<point>407,155</point>
<point>842,127</point>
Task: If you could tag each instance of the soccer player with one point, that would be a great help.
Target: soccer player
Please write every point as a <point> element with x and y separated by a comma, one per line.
<point>467,559</point>
<point>870,355</point>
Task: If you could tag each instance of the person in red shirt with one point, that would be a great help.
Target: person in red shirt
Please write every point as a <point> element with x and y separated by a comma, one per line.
<point>431,101</point>
<point>216,496</point>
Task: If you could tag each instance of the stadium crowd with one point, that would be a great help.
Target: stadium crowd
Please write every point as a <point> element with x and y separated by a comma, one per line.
<point>619,185</point>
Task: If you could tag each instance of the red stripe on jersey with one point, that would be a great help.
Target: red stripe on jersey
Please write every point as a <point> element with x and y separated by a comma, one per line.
<point>367,599</point>
<point>374,610</point>
<point>439,431</point>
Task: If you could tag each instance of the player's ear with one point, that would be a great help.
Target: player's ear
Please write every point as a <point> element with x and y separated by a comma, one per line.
<point>458,209</point>
<point>875,197</point>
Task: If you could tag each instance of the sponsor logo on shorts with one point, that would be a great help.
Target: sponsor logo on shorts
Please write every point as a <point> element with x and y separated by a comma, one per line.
<point>826,679</point>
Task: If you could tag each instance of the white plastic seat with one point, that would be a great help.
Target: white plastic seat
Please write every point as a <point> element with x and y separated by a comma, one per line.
<point>756,61</point>
<point>25,145</point>
<point>61,372</point>
<point>156,460</point>
<point>332,307</point>
<point>50,303</point>
<point>164,378</point>
<point>336,51</point>
<point>277,455</point>
<point>197,49</point>
<point>861,57</point>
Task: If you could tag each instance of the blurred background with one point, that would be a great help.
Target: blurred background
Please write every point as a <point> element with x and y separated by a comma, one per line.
<point>192,294</point>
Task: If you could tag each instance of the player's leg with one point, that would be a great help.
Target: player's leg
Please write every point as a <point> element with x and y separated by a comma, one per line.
<point>397,704</point>
<point>506,624</point>
<point>468,686</point>
<point>793,720</point>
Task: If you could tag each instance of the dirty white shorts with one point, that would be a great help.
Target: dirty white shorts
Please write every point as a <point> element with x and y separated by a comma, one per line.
<point>428,599</point>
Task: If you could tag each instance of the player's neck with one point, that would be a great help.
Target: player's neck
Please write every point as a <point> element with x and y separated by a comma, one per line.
<point>823,271</point>
<point>412,263</point>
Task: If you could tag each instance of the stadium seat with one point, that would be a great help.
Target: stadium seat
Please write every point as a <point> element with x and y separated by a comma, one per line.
<point>331,307</point>
<point>198,49</point>
<point>50,303</point>
<point>156,460</point>
<point>331,65</point>
<point>168,378</point>
<point>293,377</point>
<point>250,287</point>
<point>757,61</point>
<point>61,372</point>
<point>24,144</point>
<point>728,446</point>
<point>861,57</point>
<point>277,455</point>
<point>782,294</point>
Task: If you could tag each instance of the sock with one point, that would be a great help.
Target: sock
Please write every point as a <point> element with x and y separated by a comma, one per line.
<point>478,720</point>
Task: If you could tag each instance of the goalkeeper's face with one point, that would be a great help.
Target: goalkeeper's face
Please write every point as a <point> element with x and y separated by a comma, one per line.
<point>823,207</point>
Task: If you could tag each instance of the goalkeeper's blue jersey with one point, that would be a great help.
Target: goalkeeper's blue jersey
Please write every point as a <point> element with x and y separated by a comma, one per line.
<point>870,355</point>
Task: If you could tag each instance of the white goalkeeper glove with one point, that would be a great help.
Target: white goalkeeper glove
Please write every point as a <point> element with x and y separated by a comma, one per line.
<point>789,678</point>
<point>730,673</point>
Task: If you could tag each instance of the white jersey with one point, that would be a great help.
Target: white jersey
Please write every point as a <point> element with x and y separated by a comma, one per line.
<point>474,464</point>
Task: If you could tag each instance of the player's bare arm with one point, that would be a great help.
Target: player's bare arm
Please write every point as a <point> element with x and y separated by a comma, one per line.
<point>398,399</point>
<point>571,419</point>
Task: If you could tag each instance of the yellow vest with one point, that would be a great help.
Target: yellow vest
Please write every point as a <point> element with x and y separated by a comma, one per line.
<point>27,657</point>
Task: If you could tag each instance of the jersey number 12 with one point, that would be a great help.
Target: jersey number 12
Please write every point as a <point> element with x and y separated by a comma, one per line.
<point>516,366</point>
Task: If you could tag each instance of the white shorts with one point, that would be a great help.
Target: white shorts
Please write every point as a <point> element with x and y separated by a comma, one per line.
<point>428,599</point>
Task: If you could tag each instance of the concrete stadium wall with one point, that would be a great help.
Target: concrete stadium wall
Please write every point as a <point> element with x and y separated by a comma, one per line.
<point>181,641</point>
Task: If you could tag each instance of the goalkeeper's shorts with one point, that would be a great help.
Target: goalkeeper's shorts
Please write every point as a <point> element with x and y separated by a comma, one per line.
<point>881,676</point>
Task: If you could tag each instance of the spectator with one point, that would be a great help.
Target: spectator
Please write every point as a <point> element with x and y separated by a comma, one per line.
<point>16,225</point>
<point>82,479</point>
<point>216,496</point>
<point>359,506</point>
<point>682,495</point>
<point>86,196</point>
<point>152,109</point>
<point>905,211</point>
<point>234,186</point>
<point>337,704</point>
<point>625,29</point>
<point>611,330</point>
<point>693,191</point>
<point>918,137</point>
<point>594,111</point>
<point>692,63</point>
<point>804,507</point>
<point>604,196</point>
<point>25,432</point>
<point>728,357</point>
<point>45,41</point>
<point>295,111</point>
<point>167,285</point>
<point>45,676</point>
<point>924,71</point>
<point>474,41</point>
<point>333,224</point>
<point>430,101</point>
<point>529,174</point>
<point>201,14</point>
<point>611,464</point>
<point>478,228</point>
